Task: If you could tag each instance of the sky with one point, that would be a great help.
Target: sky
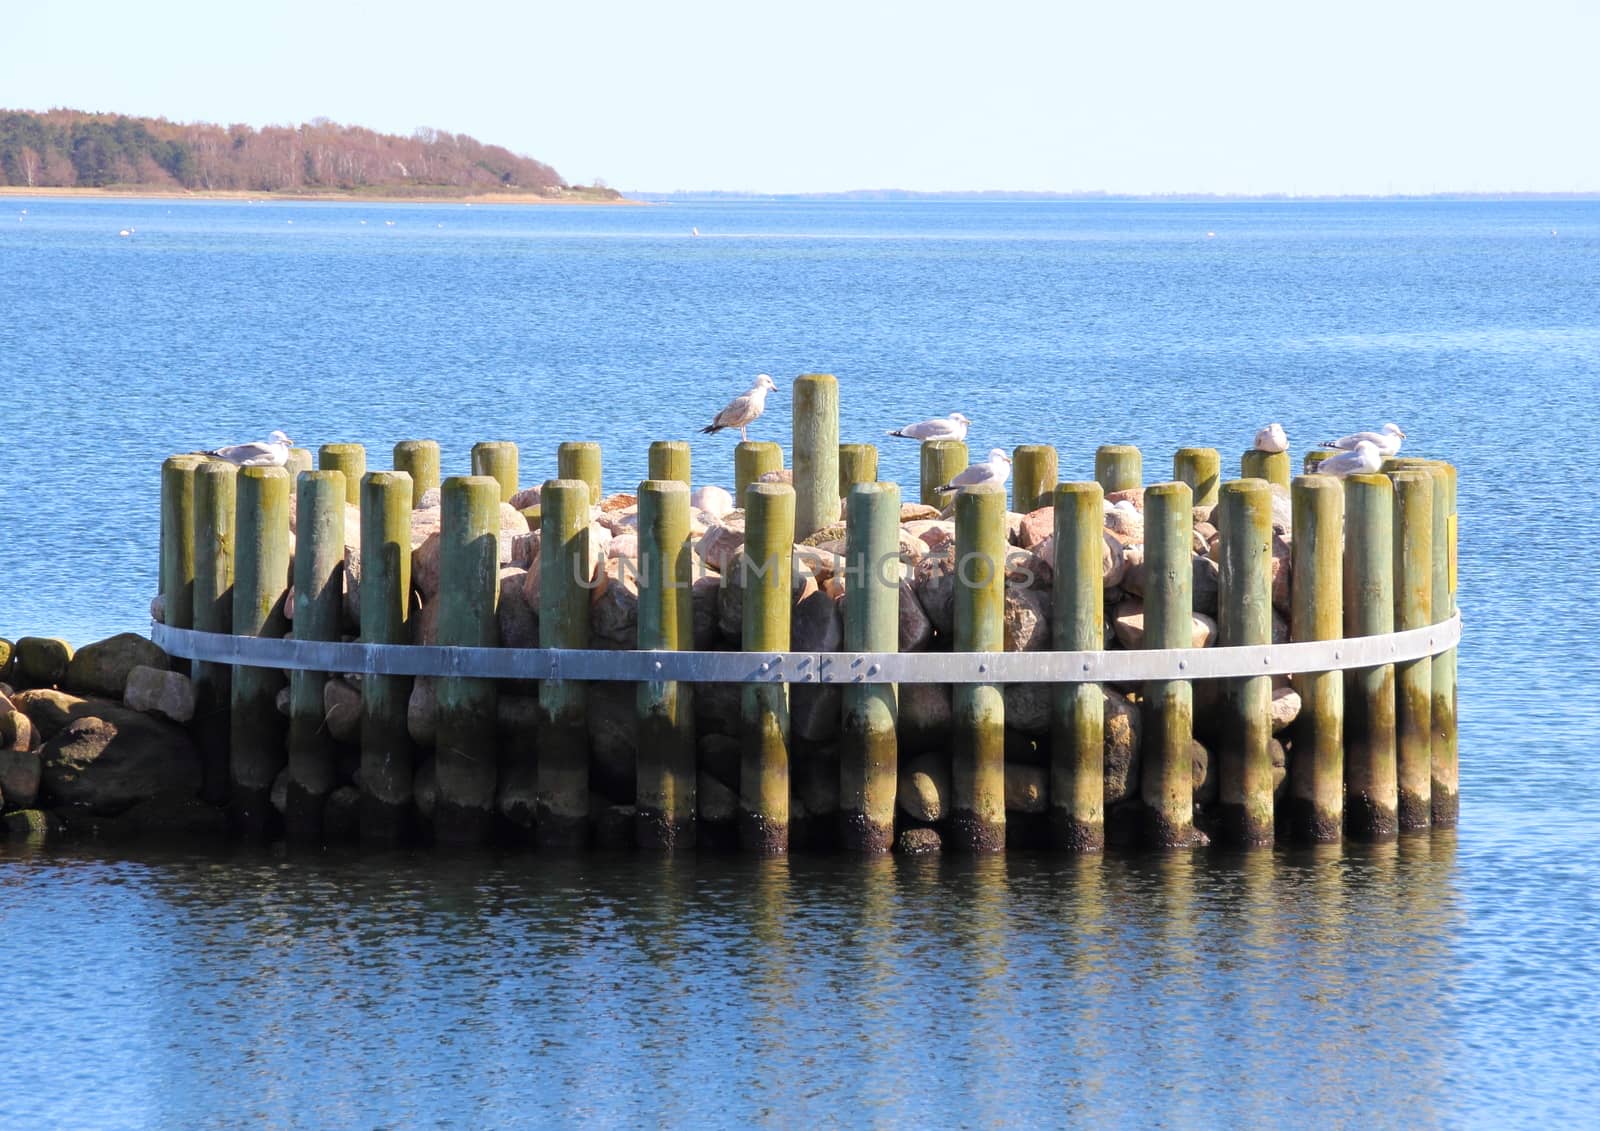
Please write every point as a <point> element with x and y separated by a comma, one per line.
<point>1134,96</point>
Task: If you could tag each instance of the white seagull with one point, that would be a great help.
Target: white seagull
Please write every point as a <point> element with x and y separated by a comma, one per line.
<point>742,410</point>
<point>1365,459</point>
<point>1386,440</point>
<point>952,427</point>
<point>273,453</point>
<point>996,470</point>
<point>1272,438</point>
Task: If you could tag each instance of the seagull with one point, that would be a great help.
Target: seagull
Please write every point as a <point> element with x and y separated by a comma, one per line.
<point>743,410</point>
<point>273,453</point>
<point>1386,440</point>
<point>1365,459</point>
<point>952,427</point>
<point>1272,438</point>
<point>996,470</point>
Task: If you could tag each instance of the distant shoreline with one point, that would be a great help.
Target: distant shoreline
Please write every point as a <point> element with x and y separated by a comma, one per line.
<point>1001,196</point>
<point>134,192</point>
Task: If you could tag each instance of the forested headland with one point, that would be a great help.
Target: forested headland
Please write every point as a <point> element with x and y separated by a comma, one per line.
<point>74,149</point>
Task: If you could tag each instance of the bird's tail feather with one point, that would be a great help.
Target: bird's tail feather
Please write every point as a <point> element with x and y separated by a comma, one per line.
<point>711,428</point>
<point>894,432</point>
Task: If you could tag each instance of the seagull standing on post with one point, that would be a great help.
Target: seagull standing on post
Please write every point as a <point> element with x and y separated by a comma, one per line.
<point>742,410</point>
<point>273,453</point>
<point>997,469</point>
<point>952,427</point>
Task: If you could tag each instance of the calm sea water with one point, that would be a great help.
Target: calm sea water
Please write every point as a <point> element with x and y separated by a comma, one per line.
<point>1449,980</point>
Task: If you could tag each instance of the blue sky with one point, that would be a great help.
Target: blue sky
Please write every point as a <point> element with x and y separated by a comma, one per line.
<point>1303,96</point>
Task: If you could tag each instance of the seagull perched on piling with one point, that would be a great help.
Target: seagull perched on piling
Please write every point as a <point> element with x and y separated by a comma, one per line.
<point>997,469</point>
<point>1363,460</point>
<point>952,427</point>
<point>274,452</point>
<point>743,410</point>
<point>1386,440</point>
<point>1272,438</point>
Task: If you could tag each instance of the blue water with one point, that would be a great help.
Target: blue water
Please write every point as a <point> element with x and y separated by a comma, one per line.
<point>1451,980</point>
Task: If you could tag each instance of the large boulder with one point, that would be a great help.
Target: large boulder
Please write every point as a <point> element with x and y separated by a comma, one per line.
<point>715,501</point>
<point>613,739</point>
<point>1026,619</point>
<point>422,711</point>
<point>160,692</point>
<point>1129,622</point>
<point>1121,762</point>
<point>1285,708</point>
<point>614,608</point>
<point>50,710</point>
<point>1027,788</point>
<point>916,630</point>
<point>935,584</point>
<point>111,758</point>
<point>19,778</point>
<point>718,804</point>
<point>7,650</point>
<point>1028,707</point>
<point>924,788</point>
<point>518,621</point>
<point>341,710</point>
<point>1037,525</point>
<point>926,715</point>
<point>816,626</point>
<point>43,661</point>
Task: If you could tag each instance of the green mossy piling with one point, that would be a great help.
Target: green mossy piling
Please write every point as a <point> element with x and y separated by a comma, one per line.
<point>1118,467</point>
<point>387,757</point>
<point>751,460</point>
<point>260,585</point>
<point>177,538</point>
<point>300,459</point>
<point>665,774</point>
<point>977,746</point>
<point>942,461</point>
<point>318,605</point>
<point>1316,773</point>
<point>1370,786</point>
<point>858,463</point>
<point>561,781</point>
<point>669,459</point>
<point>1033,476</point>
<point>1077,720</point>
<point>1314,457</point>
<point>1244,606</point>
<point>351,460</point>
<point>816,453</point>
<point>498,460</point>
<point>215,540</point>
<point>764,707</point>
<point>1166,782</point>
<point>420,460</point>
<point>868,745</point>
<point>1201,469</point>
<point>580,459</point>
<point>1413,679</point>
<point>1446,804</point>
<point>1271,466</point>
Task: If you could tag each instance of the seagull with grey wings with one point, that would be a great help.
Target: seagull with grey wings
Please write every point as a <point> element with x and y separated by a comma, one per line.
<point>996,469</point>
<point>273,452</point>
<point>952,427</point>
<point>1364,459</point>
<point>1386,440</point>
<point>743,409</point>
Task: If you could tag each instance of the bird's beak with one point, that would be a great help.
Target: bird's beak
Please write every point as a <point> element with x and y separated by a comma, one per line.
<point>1402,434</point>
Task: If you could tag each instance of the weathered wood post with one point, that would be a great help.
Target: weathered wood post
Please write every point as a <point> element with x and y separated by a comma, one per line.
<point>1033,476</point>
<point>868,745</point>
<point>580,459</point>
<point>1271,466</point>
<point>260,584</point>
<point>977,764</point>
<point>1370,786</point>
<point>465,762</point>
<point>1167,779</point>
<point>1077,720</point>
<point>858,463</point>
<point>1118,467</point>
<point>1314,457</point>
<point>498,460</point>
<point>1446,805</point>
<point>751,460</point>
<point>1316,773</point>
<point>942,461</point>
<point>816,453</point>
<point>1244,757</point>
<point>669,459</point>
<point>300,459</point>
<point>178,538</point>
<point>420,460</point>
<point>1413,679</point>
<point>1201,469</point>
<point>215,538</point>
<point>387,756</point>
<point>318,603</point>
<point>566,580</point>
<point>764,721</point>
<point>666,759</point>
<point>351,459</point>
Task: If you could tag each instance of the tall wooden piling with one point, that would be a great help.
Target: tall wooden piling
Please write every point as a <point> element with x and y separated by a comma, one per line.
<point>1118,467</point>
<point>420,460</point>
<point>300,459</point>
<point>1316,773</point>
<point>387,756</point>
<point>1413,679</point>
<point>1201,469</point>
<point>260,584</point>
<point>580,459</point>
<point>469,594</point>
<point>977,765</point>
<point>351,460</point>
<point>318,604</point>
<point>764,722</point>
<point>1167,778</point>
<point>751,460</point>
<point>666,761</point>
<point>498,460</point>
<point>178,538</point>
<point>942,461</point>
<point>215,538</point>
<point>1244,757</point>
<point>868,746</point>
<point>1271,466</point>
<point>1033,476</point>
<point>858,463</point>
<point>561,782</point>
<point>1077,720</point>
<point>1370,786</point>
<point>1446,806</point>
<point>1314,457</point>
<point>669,459</point>
<point>816,453</point>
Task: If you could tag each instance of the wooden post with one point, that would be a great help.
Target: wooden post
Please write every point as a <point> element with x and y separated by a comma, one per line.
<point>751,460</point>
<point>868,745</point>
<point>1033,477</point>
<point>1244,758</point>
<point>498,460</point>
<point>420,460</point>
<point>1413,679</point>
<point>561,782</point>
<point>764,722</point>
<point>351,459</point>
<point>942,461</point>
<point>1201,469</point>
<point>178,538</point>
<point>1316,773</point>
<point>858,463</point>
<point>580,459</point>
<point>260,584</point>
<point>300,459</point>
<point>1314,457</point>
<point>1370,786</point>
<point>1271,466</point>
<point>1077,720</point>
<point>666,760</point>
<point>978,767</point>
<point>1118,467</point>
<point>1167,779</point>
<point>215,538</point>
<point>318,604</point>
<point>1446,806</point>
<point>387,757</point>
<point>816,453</point>
<point>669,459</point>
<point>469,593</point>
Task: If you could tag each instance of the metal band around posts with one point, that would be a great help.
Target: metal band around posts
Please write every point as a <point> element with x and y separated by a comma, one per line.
<point>812,667</point>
